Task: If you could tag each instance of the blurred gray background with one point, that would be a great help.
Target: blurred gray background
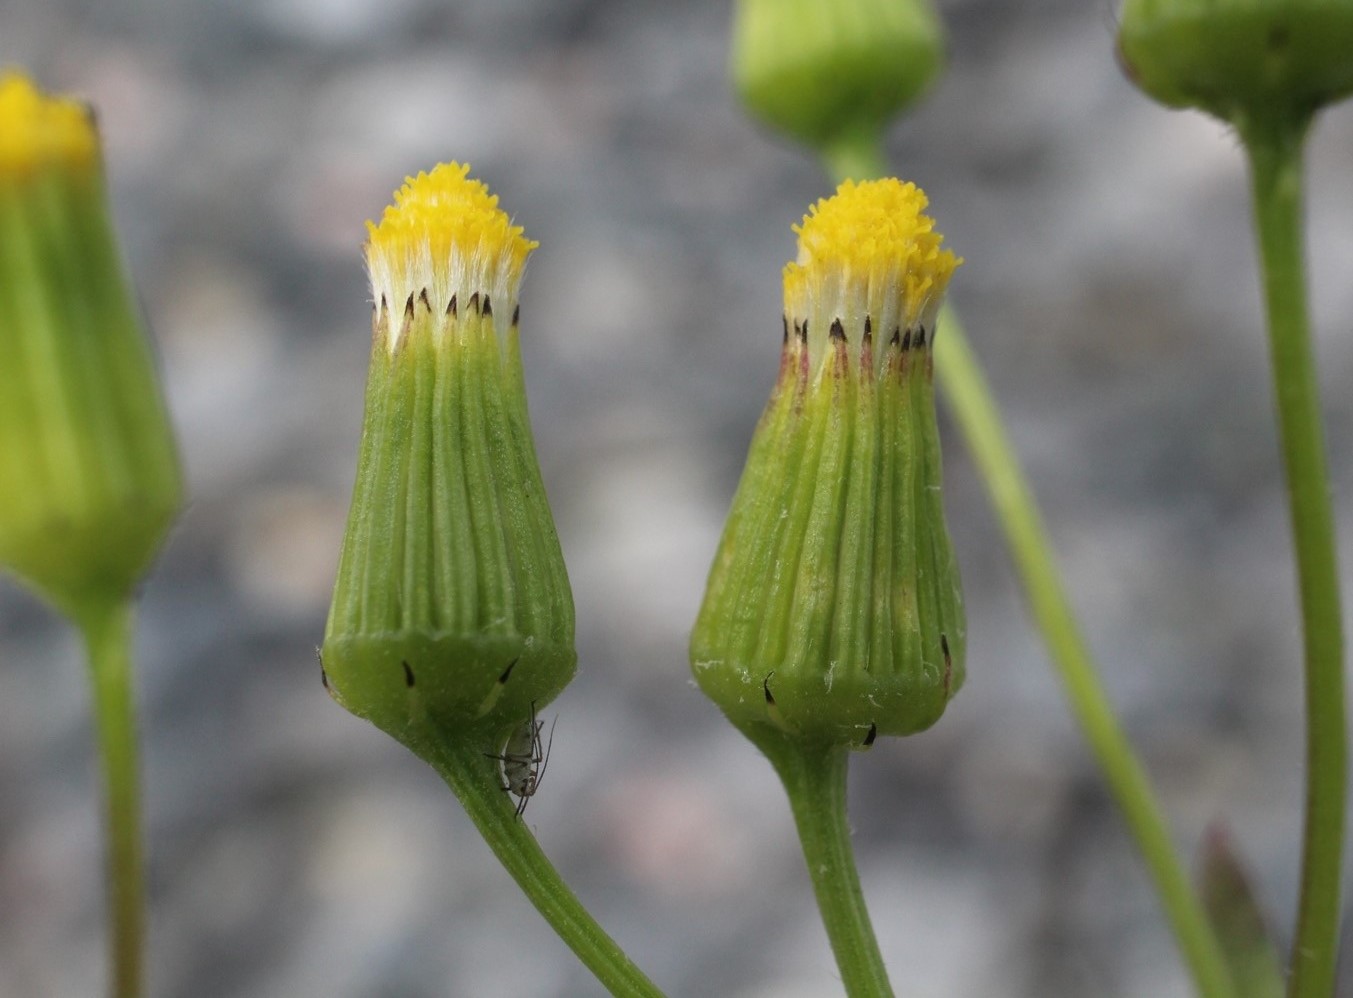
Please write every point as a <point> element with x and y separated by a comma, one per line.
<point>1110,290</point>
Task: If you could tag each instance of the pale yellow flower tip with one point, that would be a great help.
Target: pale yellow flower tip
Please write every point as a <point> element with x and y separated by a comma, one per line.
<point>445,234</point>
<point>869,249</point>
<point>38,131</point>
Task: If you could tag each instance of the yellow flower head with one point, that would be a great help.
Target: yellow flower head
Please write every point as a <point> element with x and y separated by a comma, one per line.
<point>868,252</point>
<point>37,131</point>
<point>445,236</point>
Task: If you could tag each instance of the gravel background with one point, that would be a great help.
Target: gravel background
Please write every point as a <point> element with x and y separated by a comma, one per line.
<point>1110,289</point>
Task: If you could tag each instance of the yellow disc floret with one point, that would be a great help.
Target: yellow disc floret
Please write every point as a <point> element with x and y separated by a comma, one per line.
<point>37,131</point>
<point>445,234</point>
<point>869,251</point>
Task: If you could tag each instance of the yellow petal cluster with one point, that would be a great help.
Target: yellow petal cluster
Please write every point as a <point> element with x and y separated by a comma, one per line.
<point>38,131</point>
<point>868,251</point>
<point>444,234</point>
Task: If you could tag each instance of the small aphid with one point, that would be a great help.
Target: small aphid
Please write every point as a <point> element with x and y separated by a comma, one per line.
<point>524,759</point>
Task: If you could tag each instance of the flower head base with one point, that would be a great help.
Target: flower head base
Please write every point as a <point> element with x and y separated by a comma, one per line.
<point>37,131</point>
<point>445,236</point>
<point>452,607</point>
<point>89,477</point>
<point>833,610</point>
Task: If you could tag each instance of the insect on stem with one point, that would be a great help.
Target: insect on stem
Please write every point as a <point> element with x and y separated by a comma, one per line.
<point>524,759</point>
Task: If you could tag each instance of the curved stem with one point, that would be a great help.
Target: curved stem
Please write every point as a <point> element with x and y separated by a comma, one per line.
<point>474,780</point>
<point>814,777</point>
<point>107,630</point>
<point>1275,154</point>
<point>972,405</point>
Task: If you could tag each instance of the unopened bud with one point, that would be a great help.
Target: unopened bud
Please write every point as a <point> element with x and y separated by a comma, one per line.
<point>834,610</point>
<point>828,72</point>
<point>452,605</point>
<point>89,475</point>
<point>1240,59</point>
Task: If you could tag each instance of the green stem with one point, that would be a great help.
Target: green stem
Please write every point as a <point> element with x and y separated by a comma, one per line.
<point>975,411</point>
<point>1275,154</point>
<point>855,155</point>
<point>107,630</point>
<point>474,779</point>
<point>814,777</point>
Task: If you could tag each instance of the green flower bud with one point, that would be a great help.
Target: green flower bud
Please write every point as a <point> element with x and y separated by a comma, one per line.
<point>1240,59</point>
<point>830,71</point>
<point>89,476</point>
<point>834,610</point>
<point>452,606</point>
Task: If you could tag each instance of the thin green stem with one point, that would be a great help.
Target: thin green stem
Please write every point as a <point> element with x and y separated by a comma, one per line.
<point>474,779</point>
<point>973,407</point>
<point>814,778</point>
<point>1275,154</point>
<point>107,630</point>
<point>855,155</point>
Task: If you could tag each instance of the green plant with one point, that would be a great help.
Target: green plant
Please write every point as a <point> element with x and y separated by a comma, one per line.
<point>89,477</point>
<point>1266,67</point>
<point>833,613</point>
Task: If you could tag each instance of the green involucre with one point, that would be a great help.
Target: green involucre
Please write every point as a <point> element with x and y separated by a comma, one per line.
<point>1240,59</point>
<point>834,609</point>
<point>452,605</point>
<point>828,71</point>
<point>89,475</point>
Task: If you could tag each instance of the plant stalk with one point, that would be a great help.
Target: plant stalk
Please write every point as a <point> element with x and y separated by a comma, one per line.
<point>814,777</point>
<point>474,779</point>
<point>973,407</point>
<point>855,155</point>
<point>1275,155</point>
<point>107,631</point>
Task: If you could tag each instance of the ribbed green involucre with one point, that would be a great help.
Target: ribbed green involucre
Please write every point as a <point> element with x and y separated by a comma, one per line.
<point>1240,57</point>
<point>828,73</point>
<point>452,601</point>
<point>89,477</point>
<point>834,608</point>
